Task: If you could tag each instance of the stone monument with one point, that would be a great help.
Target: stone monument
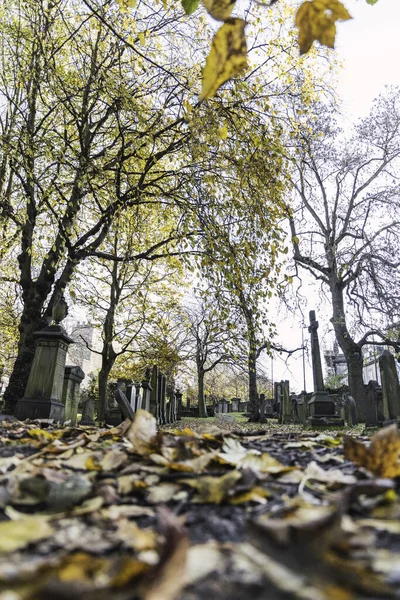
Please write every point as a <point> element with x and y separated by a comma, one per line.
<point>390,386</point>
<point>73,377</point>
<point>43,394</point>
<point>321,408</point>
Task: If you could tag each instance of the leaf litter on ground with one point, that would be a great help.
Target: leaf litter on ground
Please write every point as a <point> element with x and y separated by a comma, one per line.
<point>191,511</point>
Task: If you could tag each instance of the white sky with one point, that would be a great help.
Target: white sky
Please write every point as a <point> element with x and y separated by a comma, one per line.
<point>369,47</point>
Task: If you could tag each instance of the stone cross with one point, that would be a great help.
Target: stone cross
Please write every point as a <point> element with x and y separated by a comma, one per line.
<point>316,354</point>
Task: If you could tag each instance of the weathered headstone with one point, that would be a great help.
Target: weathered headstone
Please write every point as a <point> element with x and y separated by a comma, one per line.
<point>277,397</point>
<point>302,407</point>
<point>124,404</point>
<point>350,411</point>
<point>321,407</point>
<point>235,404</point>
<point>43,394</point>
<point>73,377</point>
<point>131,395</point>
<point>146,389</point>
<point>285,415</point>
<point>88,412</point>
<point>179,408</point>
<point>390,385</point>
<point>371,404</point>
<point>114,414</point>
<point>162,383</point>
<point>262,408</point>
<point>154,406</point>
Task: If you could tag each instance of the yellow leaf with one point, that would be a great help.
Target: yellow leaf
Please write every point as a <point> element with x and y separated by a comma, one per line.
<point>316,21</point>
<point>91,464</point>
<point>381,457</point>
<point>223,133</point>
<point>15,535</point>
<point>142,38</point>
<point>227,57</point>
<point>142,432</point>
<point>213,489</point>
<point>219,9</point>
<point>256,494</point>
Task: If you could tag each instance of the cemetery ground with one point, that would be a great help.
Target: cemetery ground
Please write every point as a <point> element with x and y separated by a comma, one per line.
<point>214,508</point>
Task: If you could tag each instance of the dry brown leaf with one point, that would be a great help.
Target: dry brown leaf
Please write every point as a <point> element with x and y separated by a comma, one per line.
<point>142,433</point>
<point>168,577</point>
<point>213,489</point>
<point>381,457</point>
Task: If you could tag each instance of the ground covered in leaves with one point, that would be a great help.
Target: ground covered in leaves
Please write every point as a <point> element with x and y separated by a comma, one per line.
<point>216,511</point>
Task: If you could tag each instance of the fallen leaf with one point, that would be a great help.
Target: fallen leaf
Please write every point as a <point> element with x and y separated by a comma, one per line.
<point>314,471</point>
<point>134,537</point>
<point>213,489</point>
<point>15,535</point>
<point>142,433</point>
<point>255,494</point>
<point>381,457</point>
<point>168,577</point>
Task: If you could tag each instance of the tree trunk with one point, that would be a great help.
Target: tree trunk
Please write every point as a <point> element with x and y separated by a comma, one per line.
<point>252,368</point>
<point>201,399</point>
<point>350,349</point>
<point>103,400</point>
<point>31,321</point>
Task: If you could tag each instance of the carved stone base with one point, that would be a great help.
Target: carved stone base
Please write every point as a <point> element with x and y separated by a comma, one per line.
<point>321,408</point>
<point>39,408</point>
<point>321,405</point>
<point>325,422</point>
<point>114,417</point>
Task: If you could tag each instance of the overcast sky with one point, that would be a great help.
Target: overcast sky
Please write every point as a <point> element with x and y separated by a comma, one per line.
<point>369,46</point>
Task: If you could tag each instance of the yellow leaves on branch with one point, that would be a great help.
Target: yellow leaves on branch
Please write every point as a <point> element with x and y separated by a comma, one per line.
<point>227,58</point>
<point>316,21</point>
<point>381,457</point>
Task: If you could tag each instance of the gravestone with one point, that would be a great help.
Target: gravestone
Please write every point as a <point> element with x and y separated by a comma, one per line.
<point>73,377</point>
<point>179,407</point>
<point>371,404</point>
<point>321,407</point>
<point>114,414</point>
<point>269,410</point>
<point>154,406</point>
<point>390,385</point>
<point>235,404</point>
<point>302,407</point>
<point>138,402</point>
<point>43,394</point>
<point>262,408</point>
<point>350,410</point>
<point>88,412</point>
<point>162,382</point>
<point>124,404</point>
<point>277,397</point>
<point>131,394</point>
<point>146,390</point>
<point>295,409</point>
<point>285,415</point>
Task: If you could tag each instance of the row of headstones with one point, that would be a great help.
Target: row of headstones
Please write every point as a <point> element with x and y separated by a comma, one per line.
<point>235,405</point>
<point>291,408</point>
<point>152,394</point>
